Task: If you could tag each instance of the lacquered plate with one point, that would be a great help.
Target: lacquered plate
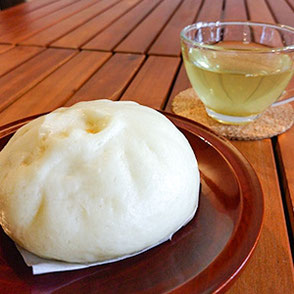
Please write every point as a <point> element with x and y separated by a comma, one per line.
<point>203,257</point>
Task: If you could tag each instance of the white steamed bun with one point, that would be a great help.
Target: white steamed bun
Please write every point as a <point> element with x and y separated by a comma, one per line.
<point>96,181</point>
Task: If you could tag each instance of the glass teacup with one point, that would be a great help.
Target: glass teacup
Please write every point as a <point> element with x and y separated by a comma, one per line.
<point>238,69</point>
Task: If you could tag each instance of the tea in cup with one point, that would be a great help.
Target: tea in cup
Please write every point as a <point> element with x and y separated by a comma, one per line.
<point>238,69</point>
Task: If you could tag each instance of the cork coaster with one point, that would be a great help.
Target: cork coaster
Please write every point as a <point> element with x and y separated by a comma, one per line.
<point>274,121</point>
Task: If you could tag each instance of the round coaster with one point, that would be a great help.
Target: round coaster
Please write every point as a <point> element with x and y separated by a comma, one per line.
<point>274,121</point>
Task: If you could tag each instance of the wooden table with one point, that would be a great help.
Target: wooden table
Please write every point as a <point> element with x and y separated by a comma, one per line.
<point>58,52</point>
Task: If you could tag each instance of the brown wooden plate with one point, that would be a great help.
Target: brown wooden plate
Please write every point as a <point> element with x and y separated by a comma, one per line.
<point>203,257</point>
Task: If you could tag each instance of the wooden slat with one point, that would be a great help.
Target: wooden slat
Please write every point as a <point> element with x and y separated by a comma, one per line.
<point>40,84</point>
<point>284,146</point>
<point>151,85</point>
<point>282,12</point>
<point>291,3</point>
<point>18,21</point>
<point>4,47</point>
<point>270,269</point>
<point>31,28</point>
<point>259,11</point>
<point>168,41</point>
<point>111,36</point>
<point>211,10</point>
<point>286,159</point>
<point>260,155</point>
<point>260,274</point>
<point>142,37</point>
<point>55,90</point>
<point>110,81</point>
<point>24,77</point>
<point>58,30</point>
<point>84,33</point>
<point>182,83</point>
<point>235,10</point>
<point>290,89</point>
<point>16,56</point>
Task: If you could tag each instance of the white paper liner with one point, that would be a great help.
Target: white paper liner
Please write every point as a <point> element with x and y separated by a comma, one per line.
<point>43,266</point>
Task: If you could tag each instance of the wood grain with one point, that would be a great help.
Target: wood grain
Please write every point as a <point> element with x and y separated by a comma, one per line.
<point>29,28</point>
<point>22,9</point>
<point>111,80</point>
<point>291,3</point>
<point>41,81</point>
<point>140,39</point>
<point>4,47</point>
<point>282,12</point>
<point>168,41</point>
<point>260,275</point>
<point>86,32</point>
<point>211,10</point>
<point>151,85</point>
<point>17,21</point>
<point>24,77</point>
<point>63,27</point>
<point>258,10</point>
<point>56,89</point>
<point>16,56</point>
<point>286,162</point>
<point>182,83</point>
<point>260,154</point>
<point>284,149</point>
<point>112,35</point>
<point>235,10</point>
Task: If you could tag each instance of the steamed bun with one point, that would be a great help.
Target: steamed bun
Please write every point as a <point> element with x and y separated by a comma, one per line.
<point>96,181</point>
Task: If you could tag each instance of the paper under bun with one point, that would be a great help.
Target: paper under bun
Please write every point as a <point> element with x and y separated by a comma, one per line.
<point>96,181</point>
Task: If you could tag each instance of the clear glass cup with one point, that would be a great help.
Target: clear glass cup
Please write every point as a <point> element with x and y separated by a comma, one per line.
<point>238,69</point>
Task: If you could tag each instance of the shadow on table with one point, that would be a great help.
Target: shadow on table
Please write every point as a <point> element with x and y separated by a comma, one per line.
<point>8,3</point>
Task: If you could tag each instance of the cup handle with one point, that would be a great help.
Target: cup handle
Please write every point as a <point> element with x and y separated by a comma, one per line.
<point>278,103</point>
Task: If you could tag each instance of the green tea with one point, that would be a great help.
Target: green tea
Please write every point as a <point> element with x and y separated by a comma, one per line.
<point>237,83</point>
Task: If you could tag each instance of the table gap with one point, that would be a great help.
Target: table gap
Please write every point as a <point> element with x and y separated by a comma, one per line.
<point>281,12</point>
<point>130,80</point>
<point>33,83</point>
<point>134,76</point>
<point>20,61</point>
<point>86,80</point>
<point>222,16</point>
<point>130,31</point>
<point>84,33</point>
<point>284,192</point>
<point>111,23</point>
<point>291,4</point>
<point>171,89</point>
<point>271,11</point>
<point>66,26</point>
<point>247,11</point>
<point>147,47</point>
<point>22,33</point>
<point>200,8</point>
